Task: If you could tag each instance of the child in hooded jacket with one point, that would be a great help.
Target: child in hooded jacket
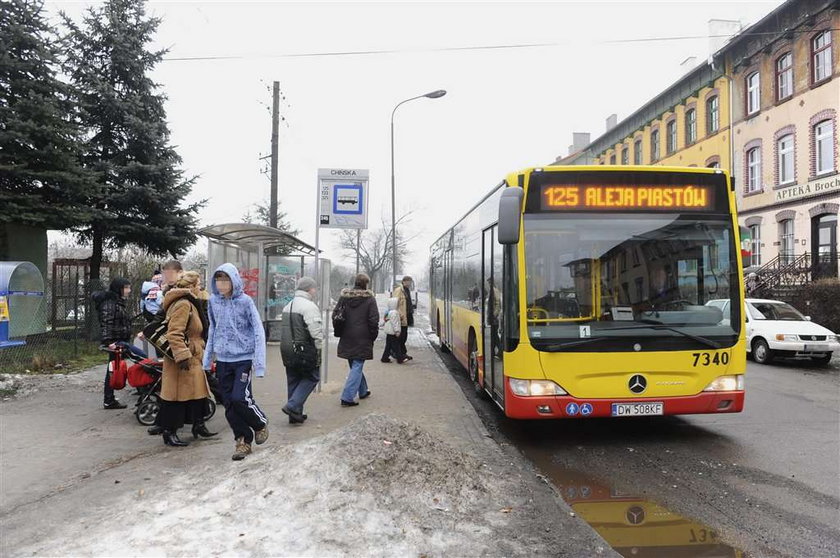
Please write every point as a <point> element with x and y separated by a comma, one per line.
<point>237,340</point>
<point>392,333</point>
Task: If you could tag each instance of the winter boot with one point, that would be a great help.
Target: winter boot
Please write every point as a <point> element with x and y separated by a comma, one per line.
<point>242,449</point>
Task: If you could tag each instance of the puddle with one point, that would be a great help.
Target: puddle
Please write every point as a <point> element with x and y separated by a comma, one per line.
<point>633,526</point>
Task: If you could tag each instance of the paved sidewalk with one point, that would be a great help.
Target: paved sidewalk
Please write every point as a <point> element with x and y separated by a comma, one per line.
<point>61,453</point>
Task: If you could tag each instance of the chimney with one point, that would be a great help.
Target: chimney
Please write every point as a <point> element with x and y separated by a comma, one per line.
<point>612,121</point>
<point>721,31</point>
<point>579,142</point>
<point>688,64</point>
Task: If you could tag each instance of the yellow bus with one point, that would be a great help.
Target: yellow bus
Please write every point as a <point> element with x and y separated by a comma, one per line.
<point>576,292</point>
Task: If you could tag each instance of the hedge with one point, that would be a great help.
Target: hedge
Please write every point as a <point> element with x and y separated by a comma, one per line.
<point>821,301</point>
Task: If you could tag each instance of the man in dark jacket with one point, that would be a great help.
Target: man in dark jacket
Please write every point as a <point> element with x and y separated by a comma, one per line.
<point>115,327</point>
<point>358,332</point>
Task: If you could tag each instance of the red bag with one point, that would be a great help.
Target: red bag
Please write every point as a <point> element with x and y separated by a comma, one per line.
<point>118,374</point>
<point>137,375</point>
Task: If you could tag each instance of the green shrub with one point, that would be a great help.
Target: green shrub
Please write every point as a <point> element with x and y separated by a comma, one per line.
<point>821,301</point>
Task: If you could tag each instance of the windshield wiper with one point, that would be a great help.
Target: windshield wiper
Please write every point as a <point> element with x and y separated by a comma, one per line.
<point>559,346</point>
<point>656,324</point>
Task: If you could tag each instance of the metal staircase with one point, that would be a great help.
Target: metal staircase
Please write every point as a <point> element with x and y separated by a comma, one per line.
<point>782,278</point>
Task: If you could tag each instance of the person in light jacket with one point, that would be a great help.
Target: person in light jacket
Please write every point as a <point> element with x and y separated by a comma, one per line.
<point>392,333</point>
<point>301,324</point>
<point>237,341</point>
<point>359,331</point>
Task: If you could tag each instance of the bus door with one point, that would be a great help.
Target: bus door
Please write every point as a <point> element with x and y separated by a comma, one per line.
<point>491,314</point>
<point>447,297</point>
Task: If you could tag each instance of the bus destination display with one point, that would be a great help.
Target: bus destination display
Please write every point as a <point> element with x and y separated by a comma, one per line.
<point>615,197</point>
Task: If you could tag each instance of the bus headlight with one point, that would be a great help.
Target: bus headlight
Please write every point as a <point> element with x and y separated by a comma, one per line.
<point>726,383</point>
<point>535,388</point>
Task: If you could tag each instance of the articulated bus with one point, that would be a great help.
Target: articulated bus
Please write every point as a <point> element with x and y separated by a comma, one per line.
<point>576,292</point>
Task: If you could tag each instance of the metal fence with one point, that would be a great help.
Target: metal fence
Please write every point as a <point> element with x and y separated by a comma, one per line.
<point>68,325</point>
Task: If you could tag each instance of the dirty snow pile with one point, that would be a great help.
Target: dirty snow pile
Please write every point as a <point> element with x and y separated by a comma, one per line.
<point>377,487</point>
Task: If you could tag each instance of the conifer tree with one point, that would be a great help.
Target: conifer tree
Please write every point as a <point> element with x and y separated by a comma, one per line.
<point>41,181</point>
<point>140,189</point>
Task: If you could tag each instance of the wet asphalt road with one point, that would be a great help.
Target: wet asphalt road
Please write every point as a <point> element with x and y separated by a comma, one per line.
<point>765,482</point>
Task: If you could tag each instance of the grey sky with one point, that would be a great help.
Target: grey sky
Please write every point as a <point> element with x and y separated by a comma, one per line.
<point>505,109</point>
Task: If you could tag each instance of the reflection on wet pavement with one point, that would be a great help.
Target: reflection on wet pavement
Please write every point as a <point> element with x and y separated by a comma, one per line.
<point>633,526</point>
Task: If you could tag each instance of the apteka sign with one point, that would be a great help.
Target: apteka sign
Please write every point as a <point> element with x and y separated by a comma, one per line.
<point>813,188</point>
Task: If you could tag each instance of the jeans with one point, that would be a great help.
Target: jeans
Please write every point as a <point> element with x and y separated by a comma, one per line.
<point>241,411</point>
<point>300,384</point>
<point>356,383</point>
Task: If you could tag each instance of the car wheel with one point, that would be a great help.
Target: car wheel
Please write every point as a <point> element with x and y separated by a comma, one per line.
<point>823,360</point>
<point>761,351</point>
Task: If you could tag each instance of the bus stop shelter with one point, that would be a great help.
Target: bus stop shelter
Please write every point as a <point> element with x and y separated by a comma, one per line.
<point>269,261</point>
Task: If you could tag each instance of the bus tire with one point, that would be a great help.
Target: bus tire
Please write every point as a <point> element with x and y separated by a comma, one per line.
<point>443,347</point>
<point>473,367</point>
<point>761,351</point>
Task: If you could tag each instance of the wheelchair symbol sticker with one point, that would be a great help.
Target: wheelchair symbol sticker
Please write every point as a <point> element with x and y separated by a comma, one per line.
<point>586,409</point>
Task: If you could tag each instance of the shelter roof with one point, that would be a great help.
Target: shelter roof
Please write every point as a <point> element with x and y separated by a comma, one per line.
<point>250,233</point>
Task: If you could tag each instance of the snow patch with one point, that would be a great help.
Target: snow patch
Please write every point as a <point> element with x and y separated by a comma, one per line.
<point>377,487</point>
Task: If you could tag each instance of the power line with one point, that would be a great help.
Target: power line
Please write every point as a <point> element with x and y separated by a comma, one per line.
<point>463,48</point>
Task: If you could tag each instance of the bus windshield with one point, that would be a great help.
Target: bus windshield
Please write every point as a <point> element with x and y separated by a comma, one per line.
<point>629,281</point>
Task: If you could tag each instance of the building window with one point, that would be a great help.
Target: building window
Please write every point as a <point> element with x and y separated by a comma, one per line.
<point>754,170</point>
<point>824,146</point>
<point>637,152</point>
<point>671,136</point>
<point>625,155</point>
<point>784,76</point>
<point>786,241</point>
<point>654,146</point>
<point>753,93</point>
<point>785,159</point>
<point>690,126</point>
<point>821,56</point>
<point>612,159</point>
<point>712,114</point>
<point>755,245</point>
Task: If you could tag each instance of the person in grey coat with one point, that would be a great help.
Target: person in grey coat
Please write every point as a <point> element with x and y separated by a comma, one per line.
<point>358,330</point>
<point>301,339</point>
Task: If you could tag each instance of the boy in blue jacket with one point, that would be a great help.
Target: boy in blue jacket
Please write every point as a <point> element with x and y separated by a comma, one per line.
<point>237,341</point>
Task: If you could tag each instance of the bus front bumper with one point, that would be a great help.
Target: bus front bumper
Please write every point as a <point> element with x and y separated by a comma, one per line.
<point>565,406</point>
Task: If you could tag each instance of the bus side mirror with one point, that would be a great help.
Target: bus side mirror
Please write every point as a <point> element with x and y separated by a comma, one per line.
<point>510,215</point>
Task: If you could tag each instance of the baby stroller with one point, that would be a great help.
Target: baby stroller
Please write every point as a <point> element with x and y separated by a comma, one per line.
<point>144,374</point>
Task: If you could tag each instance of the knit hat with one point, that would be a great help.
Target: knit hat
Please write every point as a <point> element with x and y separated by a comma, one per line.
<point>306,283</point>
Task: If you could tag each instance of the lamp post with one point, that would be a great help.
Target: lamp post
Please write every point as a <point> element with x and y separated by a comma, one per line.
<point>433,95</point>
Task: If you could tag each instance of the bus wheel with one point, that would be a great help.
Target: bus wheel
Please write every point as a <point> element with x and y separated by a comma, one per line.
<point>443,347</point>
<point>761,351</point>
<point>473,362</point>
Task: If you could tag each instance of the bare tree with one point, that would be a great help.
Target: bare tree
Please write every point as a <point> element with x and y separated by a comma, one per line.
<point>375,249</point>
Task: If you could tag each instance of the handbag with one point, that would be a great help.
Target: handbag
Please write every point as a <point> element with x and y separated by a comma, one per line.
<point>155,333</point>
<point>338,318</point>
<point>118,374</point>
<point>304,354</point>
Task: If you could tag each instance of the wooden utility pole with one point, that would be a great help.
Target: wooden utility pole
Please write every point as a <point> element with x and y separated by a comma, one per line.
<point>275,133</point>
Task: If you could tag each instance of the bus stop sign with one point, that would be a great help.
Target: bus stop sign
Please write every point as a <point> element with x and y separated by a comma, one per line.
<point>343,198</point>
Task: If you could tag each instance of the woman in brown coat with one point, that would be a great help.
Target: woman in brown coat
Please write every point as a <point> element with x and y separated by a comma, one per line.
<point>184,385</point>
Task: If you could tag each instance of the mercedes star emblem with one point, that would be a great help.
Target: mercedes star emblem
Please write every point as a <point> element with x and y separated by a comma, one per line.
<point>637,383</point>
<point>635,515</point>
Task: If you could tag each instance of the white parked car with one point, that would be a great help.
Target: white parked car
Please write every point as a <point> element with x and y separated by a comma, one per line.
<point>777,329</point>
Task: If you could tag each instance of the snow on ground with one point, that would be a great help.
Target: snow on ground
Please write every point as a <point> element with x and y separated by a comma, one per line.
<point>20,385</point>
<point>377,487</point>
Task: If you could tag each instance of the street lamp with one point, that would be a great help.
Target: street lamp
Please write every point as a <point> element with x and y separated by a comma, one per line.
<point>433,95</point>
